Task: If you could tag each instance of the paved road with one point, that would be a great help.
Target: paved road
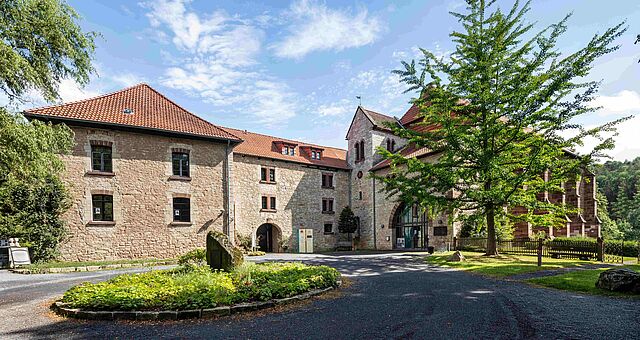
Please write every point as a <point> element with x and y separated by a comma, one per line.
<point>392,295</point>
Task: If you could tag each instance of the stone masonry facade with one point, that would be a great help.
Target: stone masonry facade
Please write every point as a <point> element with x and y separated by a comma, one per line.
<point>299,193</point>
<point>226,188</point>
<point>142,188</point>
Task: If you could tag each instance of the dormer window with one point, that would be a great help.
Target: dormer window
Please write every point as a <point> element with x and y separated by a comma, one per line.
<point>288,149</point>
<point>315,154</point>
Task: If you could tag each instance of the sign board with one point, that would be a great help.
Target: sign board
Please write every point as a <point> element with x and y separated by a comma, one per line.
<point>19,256</point>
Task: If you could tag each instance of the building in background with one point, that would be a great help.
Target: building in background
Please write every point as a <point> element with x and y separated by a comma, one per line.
<point>150,179</point>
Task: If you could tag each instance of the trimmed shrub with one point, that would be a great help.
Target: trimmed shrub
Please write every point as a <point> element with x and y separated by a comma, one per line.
<point>194,287</point>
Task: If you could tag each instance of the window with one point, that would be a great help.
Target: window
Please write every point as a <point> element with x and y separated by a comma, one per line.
<point>268,203</point>
<point>328,228</point>
<point>268,175</point>
<point>102,207</point>
<point>359,148</point>
<point>180,163</point>
<point>391,145</point>
<point>327,180</point>
<point>439,231</point>
<point>315,154</point>
<point>101,158</point>
<point>327,205</point>
<point>289,150</point>
<point>360,195</point>
<point>181,209</point>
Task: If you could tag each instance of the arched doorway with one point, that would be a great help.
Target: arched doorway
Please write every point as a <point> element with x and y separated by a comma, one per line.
<point>268,238</point>
<point>410,227</point>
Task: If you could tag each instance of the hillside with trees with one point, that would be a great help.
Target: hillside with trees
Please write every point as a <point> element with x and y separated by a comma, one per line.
<point>618,184</point>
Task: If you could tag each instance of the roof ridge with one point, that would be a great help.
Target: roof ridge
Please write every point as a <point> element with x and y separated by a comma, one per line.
<point>376,112</point>
<point>90,98</point>
<point>285,139</point>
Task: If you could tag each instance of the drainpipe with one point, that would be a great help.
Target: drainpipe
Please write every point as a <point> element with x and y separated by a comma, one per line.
<point>227,189</point>
<point>375,243</point>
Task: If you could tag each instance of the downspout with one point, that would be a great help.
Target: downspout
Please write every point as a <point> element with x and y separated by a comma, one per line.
<point>228,193</point>
<point>375,243</point>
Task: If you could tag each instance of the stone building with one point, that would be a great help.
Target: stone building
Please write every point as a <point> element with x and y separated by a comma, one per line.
<point>147,178</point>
<point>150,179</point>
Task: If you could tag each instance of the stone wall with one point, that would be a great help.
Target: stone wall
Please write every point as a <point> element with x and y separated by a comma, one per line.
<point>386,208</point>
<point>298,191</point>
<point>142,197</point>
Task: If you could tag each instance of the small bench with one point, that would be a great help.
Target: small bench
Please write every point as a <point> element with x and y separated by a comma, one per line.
<point>558,254</point>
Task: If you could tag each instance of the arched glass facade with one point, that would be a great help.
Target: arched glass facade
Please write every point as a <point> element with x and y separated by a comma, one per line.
<point>410,227</point>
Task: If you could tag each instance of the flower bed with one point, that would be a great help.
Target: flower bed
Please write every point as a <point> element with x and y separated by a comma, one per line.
<point>194,288</point>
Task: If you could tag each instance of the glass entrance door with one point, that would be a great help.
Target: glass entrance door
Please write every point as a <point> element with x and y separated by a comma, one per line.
<point>410,227</point>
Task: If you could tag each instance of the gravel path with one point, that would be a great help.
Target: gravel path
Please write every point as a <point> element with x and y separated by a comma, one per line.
<point>393,295</point>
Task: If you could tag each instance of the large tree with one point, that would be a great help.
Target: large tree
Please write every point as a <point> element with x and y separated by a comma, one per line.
<point>40,45</point>
<point>498,110</point>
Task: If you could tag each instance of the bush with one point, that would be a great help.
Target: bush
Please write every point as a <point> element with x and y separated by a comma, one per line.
<point>194,287</point>
<point>256,253</point>
<point>193,258</point>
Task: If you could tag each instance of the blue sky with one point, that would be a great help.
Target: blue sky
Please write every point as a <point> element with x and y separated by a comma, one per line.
<point>294,68</point>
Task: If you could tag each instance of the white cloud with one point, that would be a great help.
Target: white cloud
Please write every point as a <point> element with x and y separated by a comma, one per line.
<point>317,27</point>
<point>626,142</point>
<point>217,61</point>
<point>624,101</point>
<point>341,108</point>
<point>366,78</point>
<point>186,26</point>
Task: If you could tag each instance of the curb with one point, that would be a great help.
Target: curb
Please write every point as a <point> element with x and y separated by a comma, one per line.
<point>60,308</point>
<point>58,270</point>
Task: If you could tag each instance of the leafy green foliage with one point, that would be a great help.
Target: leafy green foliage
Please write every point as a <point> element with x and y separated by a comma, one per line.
<point>198,287</point>
<point>494,116</point>
<point>41,44</point>
<point>347,223</point>
<point>32,196</point>
<point>620,207</point>
<point>194,258</point>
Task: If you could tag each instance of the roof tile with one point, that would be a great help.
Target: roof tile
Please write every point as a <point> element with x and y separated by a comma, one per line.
<point>255,144</point>
<point>138,106</point>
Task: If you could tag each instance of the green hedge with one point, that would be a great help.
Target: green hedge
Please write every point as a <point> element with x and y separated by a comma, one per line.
<point>191,287</point>
<point>613,247</point>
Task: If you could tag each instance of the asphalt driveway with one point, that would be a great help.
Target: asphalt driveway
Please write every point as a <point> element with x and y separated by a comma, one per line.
<point>391,295</point>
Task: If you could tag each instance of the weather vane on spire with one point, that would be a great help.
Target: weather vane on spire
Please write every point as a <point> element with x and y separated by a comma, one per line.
<point>359,100</point>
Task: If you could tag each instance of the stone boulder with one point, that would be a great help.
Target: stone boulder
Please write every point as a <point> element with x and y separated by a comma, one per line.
<point>619,280</point>
<point>456,257</point>
<point>221,254</point>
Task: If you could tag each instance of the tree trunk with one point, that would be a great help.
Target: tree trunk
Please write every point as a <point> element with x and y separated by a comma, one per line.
<point>491,231</point>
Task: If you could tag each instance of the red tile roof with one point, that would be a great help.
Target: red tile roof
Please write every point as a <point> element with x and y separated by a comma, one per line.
<point>150,110</point>
<point>378,119</point>
<point>255,144</point>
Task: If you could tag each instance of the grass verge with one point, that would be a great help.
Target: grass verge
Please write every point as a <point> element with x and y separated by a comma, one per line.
<point>60,264</point>
<point>192,287</point>
<point>503,265</point>
<point>582,281</point>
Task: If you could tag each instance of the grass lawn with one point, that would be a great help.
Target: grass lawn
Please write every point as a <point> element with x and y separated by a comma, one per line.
<point>63,264</point>
<point>503,265</point>
<point>583,281</point>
